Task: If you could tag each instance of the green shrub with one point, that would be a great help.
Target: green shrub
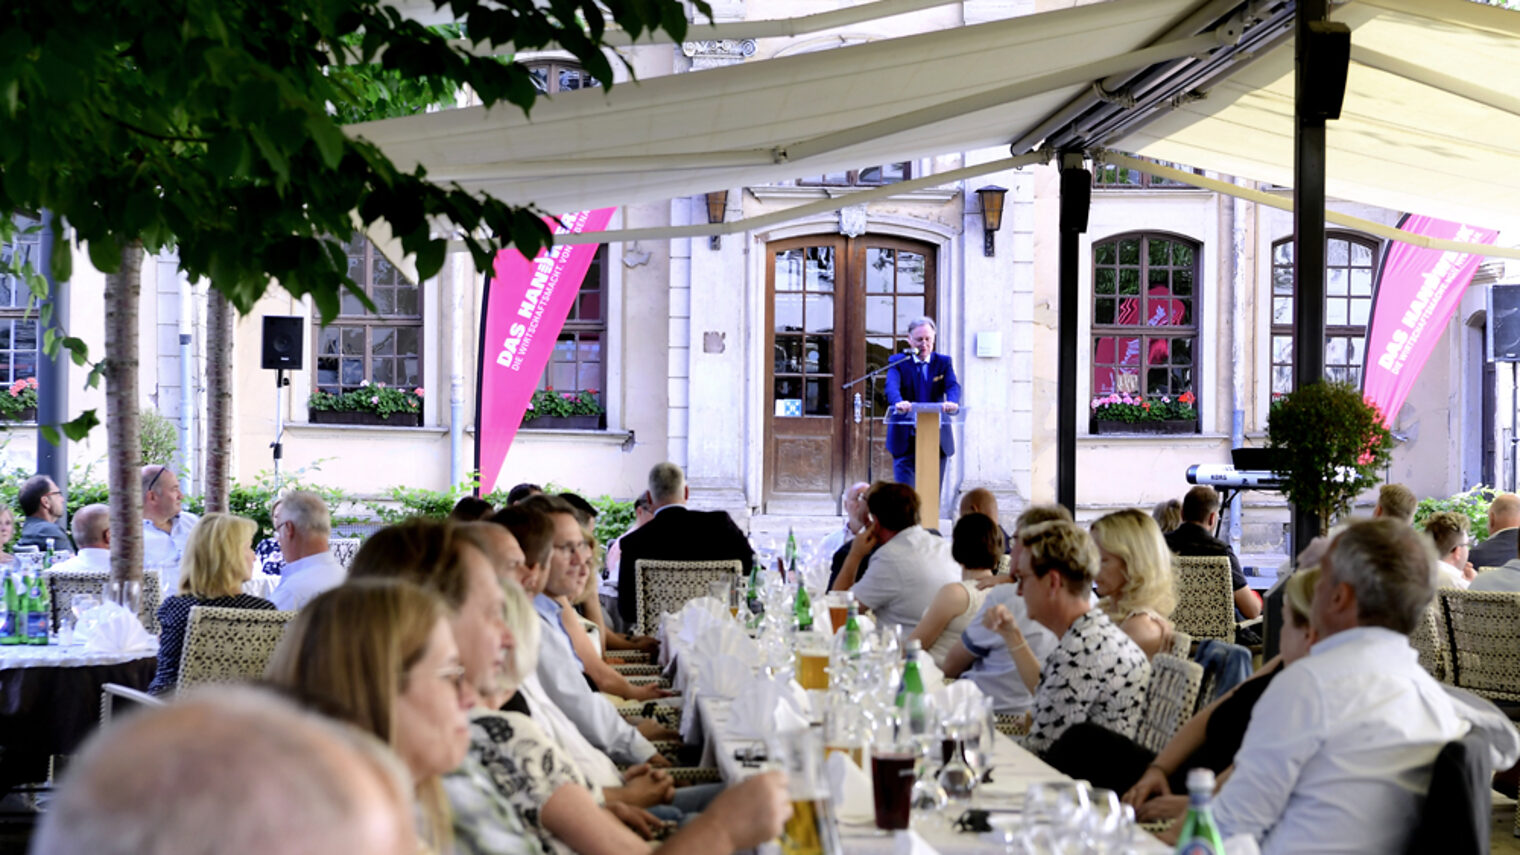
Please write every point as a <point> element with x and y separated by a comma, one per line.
<point>1334,443</point>
<point>613,517</point>
<point>1473,504</point>
<point>160,439</point>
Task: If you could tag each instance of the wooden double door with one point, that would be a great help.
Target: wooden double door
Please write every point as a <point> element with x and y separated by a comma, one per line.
<point>836,308</point>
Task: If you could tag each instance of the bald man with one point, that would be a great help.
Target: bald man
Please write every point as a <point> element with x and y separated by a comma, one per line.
<point>234,771</point>
<point>1502,545</point>
<point>980,500</point>
<point>92,534</point>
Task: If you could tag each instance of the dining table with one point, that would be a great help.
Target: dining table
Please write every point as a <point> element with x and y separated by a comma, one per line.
<point>50,701</point>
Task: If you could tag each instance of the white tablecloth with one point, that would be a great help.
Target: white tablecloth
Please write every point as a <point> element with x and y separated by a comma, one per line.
<point>62,656</point>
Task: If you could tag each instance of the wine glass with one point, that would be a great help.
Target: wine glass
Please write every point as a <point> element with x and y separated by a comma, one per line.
<point>1104,824</point>
<point>1059,808</point>
<point>921,720</point>
<point>957,778</point>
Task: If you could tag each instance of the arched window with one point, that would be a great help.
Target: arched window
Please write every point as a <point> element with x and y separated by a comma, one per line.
<point>380,347</point>
<point>1350,261</point>
<point>1145,319</point>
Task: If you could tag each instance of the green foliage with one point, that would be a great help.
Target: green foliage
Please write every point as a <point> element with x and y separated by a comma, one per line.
<point>1155,408</point>
<point>417,502</point>
<point>613,517</point>
<point>547,402</point>
<point>377,398</point>
<point>160,438</point>
<point>19,396</point>
<point>1472,503</point>
<point>1334,442</point>
<point>216,127</point>
<point>83,489</point>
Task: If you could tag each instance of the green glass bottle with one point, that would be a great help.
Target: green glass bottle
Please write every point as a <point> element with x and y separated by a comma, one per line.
<point>39,617</point>
<point>791,553</point>
<point>23,610</point>
<point>852,634</point>
<point>912,681</point>
<point>1200,836</point>
<point>802,608</point>
<point>10,629</point>
<point>48,556</point>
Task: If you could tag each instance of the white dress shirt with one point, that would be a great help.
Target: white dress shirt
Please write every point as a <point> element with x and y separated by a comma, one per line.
<point>162,550</point>
<point>303,580</point>
<point>87,560</point>
<point>564,680</point>
<point>906,572</point>
<point>1339,751</point>
<point>1449,576</point>
<point>595,764</point>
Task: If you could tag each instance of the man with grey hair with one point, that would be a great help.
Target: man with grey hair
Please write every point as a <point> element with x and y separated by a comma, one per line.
<point>235,771</point>
<point>92,534</point>
<point>166,524</point>
<point>303,527</point>
<point>676,533</point>
<point>1340,747</point>
<point>854,504</point>
<point>925,377</point>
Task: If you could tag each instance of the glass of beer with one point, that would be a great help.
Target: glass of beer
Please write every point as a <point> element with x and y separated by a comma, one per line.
<point>839,607</point>
<point>812,829</point>
<point>812,660</point>
<point>893,761</point>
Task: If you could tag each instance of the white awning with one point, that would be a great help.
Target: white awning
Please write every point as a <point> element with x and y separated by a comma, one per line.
<point>764,121</point>
<point>1430,123</point>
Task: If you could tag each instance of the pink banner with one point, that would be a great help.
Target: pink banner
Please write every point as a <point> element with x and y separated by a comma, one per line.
<point>525,306</point>
<point>1417,291</point>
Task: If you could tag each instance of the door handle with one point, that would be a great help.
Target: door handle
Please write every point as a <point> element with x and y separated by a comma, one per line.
<point>859,407</point>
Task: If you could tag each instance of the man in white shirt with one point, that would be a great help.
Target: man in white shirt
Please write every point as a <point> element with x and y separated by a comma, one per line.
<point>909,568</point>
<point>303,528</point>
<point>1448,531</point>
<point>854,504</point>
<point>92,534</point>
<point>1339,751</point>
<point>166,526</point>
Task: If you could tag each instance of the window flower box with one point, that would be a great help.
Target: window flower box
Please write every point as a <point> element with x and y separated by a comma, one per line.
<point>1131,414</point>
<point>1106,427</point>
<point>18,402</point>
<point>564,410</point>
<point>360,417</point>
<point>563,422</point>
<point>375,404</point>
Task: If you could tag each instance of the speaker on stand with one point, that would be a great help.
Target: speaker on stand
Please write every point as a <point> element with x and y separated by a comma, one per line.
<point>282,350</point>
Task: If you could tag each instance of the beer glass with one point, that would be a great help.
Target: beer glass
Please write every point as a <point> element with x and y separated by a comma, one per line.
<point>812,830</point>
<point>839,607</point>
<point>893,759</point>
<point>812,660</point>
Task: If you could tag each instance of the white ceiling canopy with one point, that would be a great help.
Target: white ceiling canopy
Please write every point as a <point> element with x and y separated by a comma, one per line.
<point>1429,125</point>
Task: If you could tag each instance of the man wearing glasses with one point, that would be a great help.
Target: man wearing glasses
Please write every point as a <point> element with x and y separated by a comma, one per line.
<point>42,502</point>
<point>166,526</point>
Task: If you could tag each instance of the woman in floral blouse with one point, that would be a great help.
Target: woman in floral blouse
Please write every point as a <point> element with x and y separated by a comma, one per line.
<point>1096,673</point>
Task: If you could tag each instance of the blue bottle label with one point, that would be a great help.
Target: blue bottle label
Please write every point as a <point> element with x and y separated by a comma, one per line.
<point>36,625</point>
<point>8,625</point>
<point>1196,847</point>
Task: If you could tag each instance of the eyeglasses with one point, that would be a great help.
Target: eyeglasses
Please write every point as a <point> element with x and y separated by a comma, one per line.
<point>154,480</point>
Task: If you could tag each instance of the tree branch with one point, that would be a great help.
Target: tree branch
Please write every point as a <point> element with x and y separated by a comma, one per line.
<point>150,134</point>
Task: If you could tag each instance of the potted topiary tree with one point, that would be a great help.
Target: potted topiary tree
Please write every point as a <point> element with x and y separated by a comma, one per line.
<point>1332,442</point>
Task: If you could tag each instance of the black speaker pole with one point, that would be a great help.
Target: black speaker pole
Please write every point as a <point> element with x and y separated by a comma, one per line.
<point>1076,186</point>
<point>280,382</point>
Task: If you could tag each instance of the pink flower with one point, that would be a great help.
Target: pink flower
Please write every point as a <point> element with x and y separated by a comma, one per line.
<point>1165,399</point>
<point>417,391</point>
<point>1097,402</point>
<point>530,405</point>
<point>374,399</point>
<point>381,385</point>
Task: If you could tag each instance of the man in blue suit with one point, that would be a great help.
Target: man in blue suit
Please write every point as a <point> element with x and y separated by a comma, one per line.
<point>924,377</point>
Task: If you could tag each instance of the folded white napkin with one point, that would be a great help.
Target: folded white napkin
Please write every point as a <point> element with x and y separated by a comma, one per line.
<point>934,679</point>
<point>765,707</point>
<point>114,630</point>
<point>697,616</point>
<point>850,787</point>
<point>728,639</point>
<point>722,676</point>
<point>960,700</point>
<point>908,842</point>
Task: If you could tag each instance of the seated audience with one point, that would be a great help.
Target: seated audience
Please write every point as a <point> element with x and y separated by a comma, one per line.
<point>471,509</point>
<point>1503,525</point>
<point>1195,538</point>
<point>92,534</point>
<point>42,503</point>
<point>607,586</point>
<point>1338,754</point>
<point>980,500</point>
<point>983,657</point>
<point>7,533</point>
<point>855,514</point>
<point>1207,740</point>
<point>522,491</point>
<point>1168,515</point>
<point>1134,580</point>
<point>166,524</point>
<point>1448,531</point>
<point>910,566</point>
<point>303,528</point>
<point>676,534</point>
<point>234,771</point>
<point>977,546</point>
<point>854,506</point>
<point>1396,502</point>
<point>218,560</point>
<point>1505,577</point>
<point>1096,673</point>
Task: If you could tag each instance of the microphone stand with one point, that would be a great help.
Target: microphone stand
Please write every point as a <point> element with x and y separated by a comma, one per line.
<point>894,359</point>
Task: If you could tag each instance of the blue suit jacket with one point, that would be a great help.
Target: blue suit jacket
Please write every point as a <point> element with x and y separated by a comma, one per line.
<point>904,383</point>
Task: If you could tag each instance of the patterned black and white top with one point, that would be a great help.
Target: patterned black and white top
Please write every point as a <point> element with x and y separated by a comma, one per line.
<point>173,617</point>
<point>1097,674</point>
<point>526,766</point>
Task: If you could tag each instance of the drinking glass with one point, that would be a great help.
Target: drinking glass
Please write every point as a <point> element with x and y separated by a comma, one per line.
<point>1058,807</point>
<point>956,777</point>
<point>812,829</point>
<point>719,589</point>
<point>893,758</point>
<point>1105,823</point>
<point>980,738</point>
<point>737,596</point>
<point>127,594</point>
<point>921,721</point>
<point>839,608</point>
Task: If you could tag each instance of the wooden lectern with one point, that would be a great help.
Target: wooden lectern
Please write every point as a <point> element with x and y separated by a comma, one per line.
<point>927,418</point>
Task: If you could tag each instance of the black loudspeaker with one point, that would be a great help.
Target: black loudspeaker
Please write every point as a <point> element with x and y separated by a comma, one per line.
<point>1504,323</point>
<point>1325,67</point>
<point>282,341</point>
<point>1076,199</point>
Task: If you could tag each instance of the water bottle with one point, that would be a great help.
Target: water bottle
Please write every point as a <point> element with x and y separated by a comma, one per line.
<point>1200,836</point>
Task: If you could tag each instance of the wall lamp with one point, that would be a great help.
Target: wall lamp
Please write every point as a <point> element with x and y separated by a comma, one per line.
<point>717,206</point>
<point>991,201</point>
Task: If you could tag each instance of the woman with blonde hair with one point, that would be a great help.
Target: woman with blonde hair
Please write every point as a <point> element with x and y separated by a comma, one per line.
<point>1134,579</point>
<point>218,560</point>
<point>380,655</point>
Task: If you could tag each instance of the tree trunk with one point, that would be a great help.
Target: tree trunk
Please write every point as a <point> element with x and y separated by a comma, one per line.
<point>122,433</point>
<point>218,400</point>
